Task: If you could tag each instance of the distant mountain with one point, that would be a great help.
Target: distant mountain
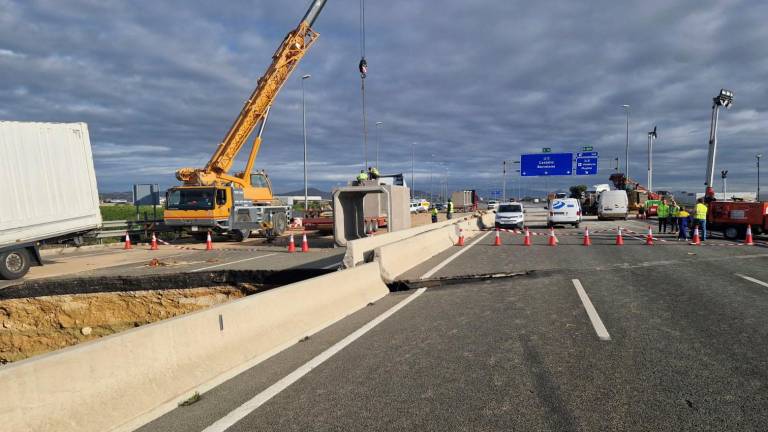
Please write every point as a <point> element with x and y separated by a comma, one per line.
<point>310,191</point>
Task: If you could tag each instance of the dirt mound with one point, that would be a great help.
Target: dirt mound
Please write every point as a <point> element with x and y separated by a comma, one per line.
<point>37,325</point>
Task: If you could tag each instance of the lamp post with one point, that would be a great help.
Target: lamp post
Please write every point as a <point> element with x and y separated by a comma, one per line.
<point>504,181</point>
<point>724,176</point>
<point>378,142</point>
<point>724,99</point>
<point>413,168</point>
<point>304,126</point>
<point>651,138</point>
<point>758,156</point>
<point>626,148</point>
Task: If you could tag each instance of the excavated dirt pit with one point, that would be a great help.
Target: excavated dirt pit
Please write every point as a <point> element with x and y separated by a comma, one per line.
<point>38,318</point>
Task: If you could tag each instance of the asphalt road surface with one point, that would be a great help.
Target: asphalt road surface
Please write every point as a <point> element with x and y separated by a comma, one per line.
<point>669,337</point>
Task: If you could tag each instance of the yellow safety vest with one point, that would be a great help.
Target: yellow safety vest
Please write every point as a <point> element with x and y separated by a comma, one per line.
<point>701,211</point>
<point>434,211</point>
<point>683,214</point>
<point>362,176</point>
<point>450,207</point>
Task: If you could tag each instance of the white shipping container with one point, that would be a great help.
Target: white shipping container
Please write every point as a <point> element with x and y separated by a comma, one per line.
<point>48,185</point>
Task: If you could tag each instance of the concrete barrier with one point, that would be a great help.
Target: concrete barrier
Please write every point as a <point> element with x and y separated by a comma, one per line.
<point>398,257</point>
<point>361,250</point>
<point>117,382</point>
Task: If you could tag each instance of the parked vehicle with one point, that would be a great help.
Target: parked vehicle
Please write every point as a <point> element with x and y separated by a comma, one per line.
<point>564,211</point>
<point>49,191</point>
<point>465,201</point>
<point>612,204</point>
<point>415,207</point>
<point>492,204</point>
<point>510,215</point>
<point>732,218</point>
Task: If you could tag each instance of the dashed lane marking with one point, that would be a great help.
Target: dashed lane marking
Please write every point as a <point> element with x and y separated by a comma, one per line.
<point>597,323</point>
<point>243,410</point>
<point>751,279</point>
<point>453,257</point>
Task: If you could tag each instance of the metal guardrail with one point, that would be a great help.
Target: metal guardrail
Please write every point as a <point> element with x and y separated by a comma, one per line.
<point>117,228</point>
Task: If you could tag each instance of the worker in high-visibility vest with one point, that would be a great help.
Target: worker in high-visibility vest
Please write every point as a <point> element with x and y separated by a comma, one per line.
<point>434,214</point>
<point>362,177</point>
<point>662,213</point>
<point>449,209</point>
<point>674,210</point>
<point>373,173</point>
<point>700,214</point>
<point>682,219</point>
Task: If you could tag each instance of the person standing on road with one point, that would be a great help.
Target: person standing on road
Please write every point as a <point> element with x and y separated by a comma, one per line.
<point>674,210</point>
<point>662,214</point>
<point>701,217</point>
<point>682,224</point>
<point>434,214</point>
<point>641,211</point>
<point>449,209</point>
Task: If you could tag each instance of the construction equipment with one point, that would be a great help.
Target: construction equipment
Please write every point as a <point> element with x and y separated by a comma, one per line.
<point>637,194</point>
<point>210,197</point>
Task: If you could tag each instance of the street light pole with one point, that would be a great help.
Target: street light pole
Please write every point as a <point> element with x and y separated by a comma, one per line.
<point>413,168</point>
<point>504,181</point>
<point>304,127</point>
<point>378,142</point>
<point>724,176</point>
<point>758,156</point>
<point>651,138</point>
<point>626,149</point>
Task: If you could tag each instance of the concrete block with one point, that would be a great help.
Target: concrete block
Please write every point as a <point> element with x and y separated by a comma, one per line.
<point>110,383</point>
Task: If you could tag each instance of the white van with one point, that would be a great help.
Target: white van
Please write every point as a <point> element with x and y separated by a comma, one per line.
<point>612,204</point>
<point>564,211</point>
<point>510,215</point>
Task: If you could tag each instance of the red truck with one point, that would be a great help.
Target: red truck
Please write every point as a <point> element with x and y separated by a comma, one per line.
<point>732,217</point>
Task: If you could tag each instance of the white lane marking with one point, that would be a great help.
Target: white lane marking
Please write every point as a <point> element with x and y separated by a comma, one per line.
<point>453,257</point>
<point>751,279</point>
<point>597,323</point>
<point>232,262</point>
<point>243,410</point>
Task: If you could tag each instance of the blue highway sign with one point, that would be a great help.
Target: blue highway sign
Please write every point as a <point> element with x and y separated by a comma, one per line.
<point>586,166</point>
<point>551,164</point>
<point>586,154</point>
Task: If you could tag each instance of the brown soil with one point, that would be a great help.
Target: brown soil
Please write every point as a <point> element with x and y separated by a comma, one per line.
<point>34,326</point>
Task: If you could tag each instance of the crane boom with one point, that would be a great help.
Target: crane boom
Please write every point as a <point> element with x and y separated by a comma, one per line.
<point>284,62</point>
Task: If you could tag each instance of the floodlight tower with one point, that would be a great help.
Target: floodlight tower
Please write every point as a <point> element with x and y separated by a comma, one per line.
<point>724,99</point>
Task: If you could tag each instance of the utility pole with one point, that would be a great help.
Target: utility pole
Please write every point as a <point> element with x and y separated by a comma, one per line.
<point>304,126</point>
<point>504,181</point>
<point>626,150</point>
<point>651,138</point>
<point>758,156</point>
<point>413,168</point>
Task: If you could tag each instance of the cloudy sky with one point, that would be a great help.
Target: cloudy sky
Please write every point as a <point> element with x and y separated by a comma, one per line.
<point>466,83</point>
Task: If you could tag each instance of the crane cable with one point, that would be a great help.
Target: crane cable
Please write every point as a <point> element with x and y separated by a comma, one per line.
<point>363,68</point>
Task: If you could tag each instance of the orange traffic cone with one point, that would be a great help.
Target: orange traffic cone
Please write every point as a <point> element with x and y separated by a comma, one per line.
<point>552,238</point>
<point>497,242</point>
<point>696,239</point>
<point>619,238</point>
<point>461,238</point>
<point>587,240</point>
<point>154,242</point>
<point>304,243</point>
<point>748,241</point>
<point>291,245</point>
<point>127,241</point>
<point>649,237</point>
<point>527,240</point>
<point>208,242</point>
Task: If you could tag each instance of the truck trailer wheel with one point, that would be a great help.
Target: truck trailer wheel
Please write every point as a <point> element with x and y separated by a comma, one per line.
<point>240,235</point>
<point>732,232</point>
<point>14,264</point>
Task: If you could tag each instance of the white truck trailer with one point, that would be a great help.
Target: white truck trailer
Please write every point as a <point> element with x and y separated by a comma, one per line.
<point>48,190</point>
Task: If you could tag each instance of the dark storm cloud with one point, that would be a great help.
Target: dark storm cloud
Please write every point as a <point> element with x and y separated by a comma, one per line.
<point>471,83</point>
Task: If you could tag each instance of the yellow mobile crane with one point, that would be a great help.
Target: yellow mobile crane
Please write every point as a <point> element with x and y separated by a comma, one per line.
<point>212,199</point>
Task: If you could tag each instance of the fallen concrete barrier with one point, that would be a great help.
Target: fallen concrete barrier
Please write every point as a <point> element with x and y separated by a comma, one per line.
<point>120,381</point>
<point>361,250</point>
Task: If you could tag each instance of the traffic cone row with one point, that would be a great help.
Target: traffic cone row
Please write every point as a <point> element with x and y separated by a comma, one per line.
<point>304,243</point>
<point>497,242</point>
<point>649,237</point>
<point>291,245</point>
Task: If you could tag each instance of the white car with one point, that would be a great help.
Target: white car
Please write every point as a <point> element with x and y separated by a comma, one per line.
<point>416,207</point>
<point>492,205</point>
<point>564,211</point>
<point>510,215</point>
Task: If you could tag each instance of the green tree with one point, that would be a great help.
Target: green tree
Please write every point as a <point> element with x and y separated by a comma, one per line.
<point>577,191</point>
